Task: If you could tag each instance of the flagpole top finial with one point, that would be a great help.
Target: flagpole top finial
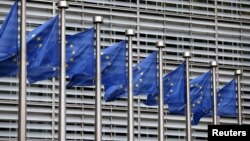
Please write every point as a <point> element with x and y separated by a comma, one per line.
<point>187,54</point>
<point>63,4</point>
<point>98,19</point>
<point>213,64</point>
<point>130,32</point>
<point>238,72</point>
<point>160,44</point>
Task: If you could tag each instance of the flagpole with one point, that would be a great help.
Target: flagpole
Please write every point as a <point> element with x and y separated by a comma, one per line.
<point>160,45</point>
<point>62,5</point>
<point>22,77</point>
<point>187,55</point>
<point>129,34</point>
<point>98,97</point>
<point>214,65</point>
<point>238,74</point>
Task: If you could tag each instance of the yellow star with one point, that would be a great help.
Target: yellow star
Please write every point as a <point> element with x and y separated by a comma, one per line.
<point>38,38</point>
<point>140,80</point>
<point>33,35</point>
<point>71,59</point>
<point>71,46</point>
<point>107,57</point>
<point>73,52</point>
<point>40,45</point>
<point>137,85</point>
<point>54,68</point>
<point>109,64</point>
<point>172,84</point>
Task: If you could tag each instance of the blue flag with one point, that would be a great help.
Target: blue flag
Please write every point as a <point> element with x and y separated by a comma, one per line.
<point>80,58</point>
<point>174,91</point>
<point>43,51</point>
<point>201,98</point>
<point>145,76</point>
<point>144,80</point>
<point>9,35</point>
<point>113,66</point>
<point>114,70</point>
<point>226,100</point>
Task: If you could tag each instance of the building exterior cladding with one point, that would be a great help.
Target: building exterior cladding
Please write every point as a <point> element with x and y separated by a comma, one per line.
<point>210,29</point>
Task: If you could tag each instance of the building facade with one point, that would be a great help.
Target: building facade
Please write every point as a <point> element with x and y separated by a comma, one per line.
<point>210,29</point>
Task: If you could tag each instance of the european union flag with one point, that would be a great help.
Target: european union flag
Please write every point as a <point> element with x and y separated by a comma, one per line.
<point>114,70</point>
<point>114,64</point>
<point>43,51</point>
<point>174,91</point>
<point>80,58</point>
<point>9,35</point>
<point>144,80</point>
<point>226,100</point>
<point>145,76</point>
<point>113,67</point>
<point>201,98</point>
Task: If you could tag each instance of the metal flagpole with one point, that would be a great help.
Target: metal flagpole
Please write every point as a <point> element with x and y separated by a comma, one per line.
<point>187,55</point>
<point>22,77</point>
<point>53,92</point>
<point>214,65</point>
<point>53,107</point>
<point>63,5</point>
<point>238,74</point>
<point>98,97</point>
<point>129,34</point>
<point>160,45</point>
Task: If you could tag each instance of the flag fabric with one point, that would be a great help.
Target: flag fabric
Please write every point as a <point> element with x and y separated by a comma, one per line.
<point>80,58</point>
<point>114,64</point>
<point>43,51</point>
<point>9,35</point>
<point>201,98</point>
<point>174,91</point>
<point>113,67</point>
<point>144,75</point>
<point>9,67</point>
<point>114,70</point>
<point>226,100</point>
